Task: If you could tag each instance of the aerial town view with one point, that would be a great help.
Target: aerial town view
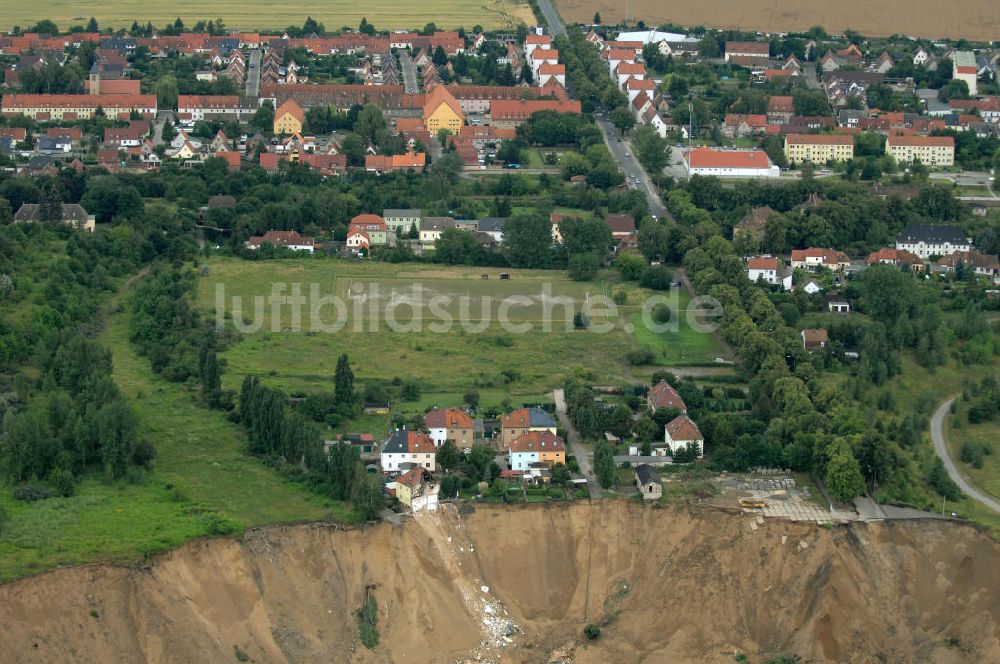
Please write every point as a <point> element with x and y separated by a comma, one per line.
<point>545,332</point>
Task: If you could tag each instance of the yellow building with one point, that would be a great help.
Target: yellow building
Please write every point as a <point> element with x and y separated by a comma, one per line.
<point>929,150</point>
<point>442,111</point>
<point>818,148</point>
<point>288,118</point>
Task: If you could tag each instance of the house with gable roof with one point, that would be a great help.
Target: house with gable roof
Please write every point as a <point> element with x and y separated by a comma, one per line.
<point>405,449</point>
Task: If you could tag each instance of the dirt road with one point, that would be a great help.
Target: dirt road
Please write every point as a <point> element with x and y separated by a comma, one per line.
<point>941,449</point>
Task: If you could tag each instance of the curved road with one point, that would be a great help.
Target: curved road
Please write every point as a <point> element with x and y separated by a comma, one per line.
<point>941,449</point>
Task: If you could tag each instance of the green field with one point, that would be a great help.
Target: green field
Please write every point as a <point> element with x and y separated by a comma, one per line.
<point>259,15</point>
<point>986,478</point>
<point>202,484</point>
<point>502,363</point>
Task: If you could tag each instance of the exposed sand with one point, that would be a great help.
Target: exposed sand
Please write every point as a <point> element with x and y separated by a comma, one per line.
<point>685,585</point>
<point>971,19</point>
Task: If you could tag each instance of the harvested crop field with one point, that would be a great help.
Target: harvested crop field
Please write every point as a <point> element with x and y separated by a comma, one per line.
<point>503,584</point>
<point>261,15</point>
<point>971,19</point>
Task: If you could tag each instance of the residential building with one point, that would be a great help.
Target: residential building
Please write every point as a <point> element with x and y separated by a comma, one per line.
<point>983,264</point>
<point>663,395</point>
<point>524,420</point>
<point>815,338</point>
<point>682,433</point>
<point>738,125</point>
<point>838,306</point>
<point>647,480</point>
<point>378,163</point>
<point>45,107</point>
<point>536,447</point>
<point>364,443</point>
<point>404,449</point>
<point>927,241</point>
<point>373,225</point>
<point>442,111</point>
<point>288,118</point>
<point>194,108</point>
<point>818,148</point>
<point>730,163</point>
<point>432,227</point>
<point>768,270</point>
<point>814,258</point>
<point>416,490</point>
<point>450,424</point>
<point>512,113</point>
<point>72,214</point>
<point>621,225</point>
<point>288,239</point>
<point>964,68</point>
<point>897,258</point>
<point>740,49</point>
<point>928,150</point>
<point>403,220</point>
<point>753,222</point>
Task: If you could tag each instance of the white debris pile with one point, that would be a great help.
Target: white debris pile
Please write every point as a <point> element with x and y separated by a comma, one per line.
<point>498,627</point>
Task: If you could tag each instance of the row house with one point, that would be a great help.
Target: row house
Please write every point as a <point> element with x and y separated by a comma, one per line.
<point>77,107</point>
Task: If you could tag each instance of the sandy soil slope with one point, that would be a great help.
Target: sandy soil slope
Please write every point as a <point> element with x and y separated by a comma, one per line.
<point>678,584</point>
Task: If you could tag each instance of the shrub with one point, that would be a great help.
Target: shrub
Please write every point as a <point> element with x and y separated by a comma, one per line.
<point>31,492</point>
<point>581,321</point>
<point>367,623</point>
<point>641,356</point>
<point>592,631</point>
<point>661,314</point>
<point>656,277</point>
<point>583,267</point>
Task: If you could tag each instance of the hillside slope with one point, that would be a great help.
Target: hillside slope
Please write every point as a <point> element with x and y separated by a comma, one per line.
<point>677,584</point>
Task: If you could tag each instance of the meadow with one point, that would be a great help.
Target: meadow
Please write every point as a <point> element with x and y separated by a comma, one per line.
<point>502,362</point>
<point>203,484</point>
<point>259,15</point>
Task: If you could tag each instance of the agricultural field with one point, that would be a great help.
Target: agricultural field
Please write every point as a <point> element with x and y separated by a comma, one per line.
<point>501,361</point>
<point>971,19</point>
<point>260,15</point>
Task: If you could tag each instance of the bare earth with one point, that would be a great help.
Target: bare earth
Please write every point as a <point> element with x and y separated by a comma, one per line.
<point>972,19</point>
<point>675,584</point>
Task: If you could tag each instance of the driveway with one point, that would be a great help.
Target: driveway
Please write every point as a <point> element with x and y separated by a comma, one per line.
<point>941,449</point>
<point>573,438</point>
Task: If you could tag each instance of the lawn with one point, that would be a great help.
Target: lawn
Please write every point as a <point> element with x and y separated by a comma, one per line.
<point>202,484</point>
<point>986,478</point>
<point>503,362</point>
<point>682,346</point>
<point>256,14</point>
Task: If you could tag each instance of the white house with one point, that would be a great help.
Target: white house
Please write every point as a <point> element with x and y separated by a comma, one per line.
<point>681,432</point>
<point>927,241</point>
<point>288,239</point>
<point>405,449</point>
<point>766,268</point>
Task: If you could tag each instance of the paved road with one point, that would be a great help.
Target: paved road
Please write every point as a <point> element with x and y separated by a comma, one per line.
<point>573,438</point>
<point>556,26</point>
<point>161,120</point>
<point>409,73</point>
<point>253,74</point>
<point>941,449</point>
<point>630,166</point>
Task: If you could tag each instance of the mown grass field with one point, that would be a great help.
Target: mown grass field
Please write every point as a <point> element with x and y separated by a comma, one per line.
<point>503,363</point>
<point>259,15</point>
<point>202,481</point>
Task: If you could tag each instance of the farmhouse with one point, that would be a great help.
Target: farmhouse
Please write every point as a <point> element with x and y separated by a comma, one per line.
<point>730,163</point>
<point>288,239</point>
<point>450,424</point>
<point>536,447</point>
<point>927,241</point>
<point>72,214</point>
<point>404,449</point>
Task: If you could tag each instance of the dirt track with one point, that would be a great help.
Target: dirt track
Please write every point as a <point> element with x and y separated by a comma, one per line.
<point>972,19</point>
<point>686,585</point>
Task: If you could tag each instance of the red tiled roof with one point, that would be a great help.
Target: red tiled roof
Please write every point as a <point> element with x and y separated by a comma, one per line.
<point>537,441</point>
<point>819,139</point>
<point>753,120</point>
<point>709,158</point>
<point>815,336</point>
<point>291,107</point>
<point>829,256</point>
<point>763,263</point>
<point>512,109</point>
<point>683,428</point>
<point>447,418</point>
<point>922,141</point>
<point>18,101</point>
<point>663,395</point>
